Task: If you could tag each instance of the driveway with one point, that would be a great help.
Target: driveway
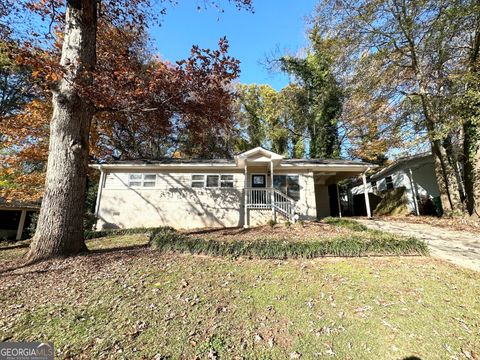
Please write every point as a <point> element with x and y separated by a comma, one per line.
<point>459,247</point>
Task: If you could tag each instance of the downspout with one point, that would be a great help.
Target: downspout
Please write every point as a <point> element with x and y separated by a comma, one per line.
<point>101,184</point>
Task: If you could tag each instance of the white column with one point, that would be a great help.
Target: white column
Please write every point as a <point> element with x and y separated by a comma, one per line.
<point>21,224</point>
<point>367,199</point>
<point>245,210</point>
<point>272,196</point>
<point>339,202</point>
<point>414,191</point>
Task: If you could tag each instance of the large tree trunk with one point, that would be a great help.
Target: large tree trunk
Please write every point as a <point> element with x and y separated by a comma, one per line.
<point>472,166</point>
<point>60,224</point>
<point>445,173</point>
<point>447,180</point>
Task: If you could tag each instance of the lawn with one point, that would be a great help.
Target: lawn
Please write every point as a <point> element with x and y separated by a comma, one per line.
<point>124,300</point>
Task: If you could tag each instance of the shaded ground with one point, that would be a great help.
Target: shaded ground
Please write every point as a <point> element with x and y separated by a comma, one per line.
<point>459,247</point>
<point>126,301</point>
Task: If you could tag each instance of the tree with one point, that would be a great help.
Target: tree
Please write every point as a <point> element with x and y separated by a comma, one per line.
<point>324,105</point>
<point>17,87</point>
<point>417,46</point>
<point>59,230</point>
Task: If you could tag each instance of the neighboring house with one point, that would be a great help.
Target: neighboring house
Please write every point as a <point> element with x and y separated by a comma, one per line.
<point>15,218</point>
<point>250,189</point>
<point>416,174</point>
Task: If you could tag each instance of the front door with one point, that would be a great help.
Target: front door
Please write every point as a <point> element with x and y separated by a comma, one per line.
<point>259,197</point>
<point>259,181</point>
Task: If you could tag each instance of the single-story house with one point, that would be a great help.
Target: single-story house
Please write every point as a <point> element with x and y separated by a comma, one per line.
<point>15,218</point>
<point>415,174</point>
<point>254,187</point>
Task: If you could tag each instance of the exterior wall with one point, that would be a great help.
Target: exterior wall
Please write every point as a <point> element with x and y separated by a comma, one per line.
<point>171,202</point>
<point>322,201</point>
<point>423,178</point>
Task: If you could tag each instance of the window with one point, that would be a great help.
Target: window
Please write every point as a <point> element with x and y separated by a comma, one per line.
<point>212,181</point>
<point>374,186</point>
<point>226,181</point>
<point>142,180</point>
<point>389,182</point>
<point>288,184</point>
<point>198,181</point>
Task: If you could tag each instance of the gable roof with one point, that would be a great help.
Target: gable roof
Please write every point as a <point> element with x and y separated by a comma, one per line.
<point>403,161</point>
<point>257,151</point>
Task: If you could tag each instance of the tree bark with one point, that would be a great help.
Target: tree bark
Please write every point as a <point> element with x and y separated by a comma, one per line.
<point>472,167</point>
<point>60,223</point>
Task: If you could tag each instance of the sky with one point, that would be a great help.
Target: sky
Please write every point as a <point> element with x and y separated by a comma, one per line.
<point>276,26</point>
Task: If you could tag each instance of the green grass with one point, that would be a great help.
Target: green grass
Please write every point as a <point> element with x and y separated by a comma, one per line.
<point>345,223</point>
<point>141,304</point>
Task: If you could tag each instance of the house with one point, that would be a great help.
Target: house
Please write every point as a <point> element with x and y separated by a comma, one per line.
<point>254,187</point>
<point>413,175</point>
<point>15,218</point>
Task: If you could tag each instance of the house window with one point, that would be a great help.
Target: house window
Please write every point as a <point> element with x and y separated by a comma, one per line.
<point>212,181</point>
<point>288,184</point>
<point>142,180</point>
<point>226,181</point>
<point>389,182</point>
<point>198,181</point>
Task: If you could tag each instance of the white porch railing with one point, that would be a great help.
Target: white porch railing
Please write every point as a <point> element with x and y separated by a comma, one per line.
<point>268,198</point>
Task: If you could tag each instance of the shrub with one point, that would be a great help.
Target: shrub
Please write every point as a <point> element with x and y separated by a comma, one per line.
<point>374,244</point>
<point>271,223</point>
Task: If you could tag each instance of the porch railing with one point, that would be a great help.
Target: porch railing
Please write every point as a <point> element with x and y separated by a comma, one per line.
<point>267,198</point>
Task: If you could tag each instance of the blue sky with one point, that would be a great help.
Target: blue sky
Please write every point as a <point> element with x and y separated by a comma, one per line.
<point>275,24</point>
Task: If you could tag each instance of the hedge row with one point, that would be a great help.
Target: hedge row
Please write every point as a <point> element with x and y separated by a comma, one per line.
<point>377,243</point>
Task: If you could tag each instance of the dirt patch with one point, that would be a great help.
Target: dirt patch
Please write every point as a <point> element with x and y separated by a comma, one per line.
<point>294,232</point>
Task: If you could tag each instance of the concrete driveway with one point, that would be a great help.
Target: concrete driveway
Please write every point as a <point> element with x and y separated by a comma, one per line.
<point>459,247</point>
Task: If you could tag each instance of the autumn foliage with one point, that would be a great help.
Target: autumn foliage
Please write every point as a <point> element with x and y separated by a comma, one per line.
<point>144,106</point>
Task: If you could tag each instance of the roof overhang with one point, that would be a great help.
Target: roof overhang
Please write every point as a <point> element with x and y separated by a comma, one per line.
<point>126,166</point>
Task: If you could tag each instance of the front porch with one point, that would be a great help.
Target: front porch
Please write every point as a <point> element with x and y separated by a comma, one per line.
<point>287,189</point>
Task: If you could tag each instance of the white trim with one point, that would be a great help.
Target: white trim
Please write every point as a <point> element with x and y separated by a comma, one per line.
<point>258,149</point>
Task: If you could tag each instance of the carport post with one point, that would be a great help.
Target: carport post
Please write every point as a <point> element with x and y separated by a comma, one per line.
<point>21,224</point>
<point>367,199</point>
<point>339,202</point>
<point>245,198</point>
<point>414,191</point>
